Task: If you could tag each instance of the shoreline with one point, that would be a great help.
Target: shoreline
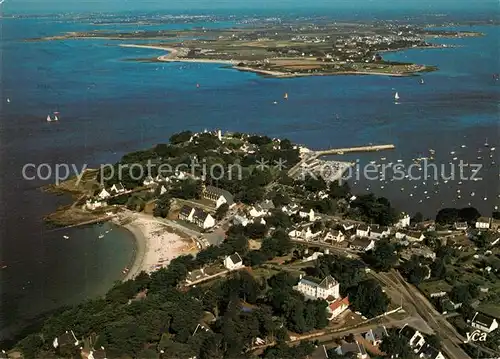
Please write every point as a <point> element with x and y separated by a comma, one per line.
<point>156,244</point>
<point>172,56</point>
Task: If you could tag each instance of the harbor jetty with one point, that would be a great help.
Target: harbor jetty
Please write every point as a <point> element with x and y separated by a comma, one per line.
<point>311,162</point>
<point>340,151</point>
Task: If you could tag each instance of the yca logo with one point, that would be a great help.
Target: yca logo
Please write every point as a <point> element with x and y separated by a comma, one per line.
<point>476,336</point>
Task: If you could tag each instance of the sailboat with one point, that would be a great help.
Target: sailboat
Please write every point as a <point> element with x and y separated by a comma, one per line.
<point>49,119</point>
<point>486,144</point>
<point>285,96</point>
<point>396,97</point>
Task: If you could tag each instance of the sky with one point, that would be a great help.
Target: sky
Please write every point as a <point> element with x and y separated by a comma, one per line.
<point>43,6</point>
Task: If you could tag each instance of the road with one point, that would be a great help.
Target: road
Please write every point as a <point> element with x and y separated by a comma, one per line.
<point>450,338</point>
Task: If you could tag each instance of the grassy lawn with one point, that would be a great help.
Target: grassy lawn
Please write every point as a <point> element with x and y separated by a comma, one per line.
<point>490,308</point>
<point>434,287</point>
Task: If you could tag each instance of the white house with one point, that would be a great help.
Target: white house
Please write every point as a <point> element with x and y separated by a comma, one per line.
<point>324,289</point>
<point>186,213</point>
<point>363,230</point>
<point>410,236</point>
<point>415,339</point>
<point>334,236</point>
<point>203,219</point>
<point>379,232</point>
<point>290,209</point>
<point>91,205</point>
<point>233,261</point>
<point>484,322</point>
<point>240,220</point>
<point>104,194</point>
<point>348,226</point>
<point>148,181</point>
<point>309,215</point>
<point>163,190</point>
<point>219,196</point>
<point>262,208</point>
<point>483,223</point>
<point>117,188</point>
<point>404,221</point>
<point>337,307</point>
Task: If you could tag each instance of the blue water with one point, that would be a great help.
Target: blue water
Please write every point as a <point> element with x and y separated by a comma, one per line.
<point>110,106</point>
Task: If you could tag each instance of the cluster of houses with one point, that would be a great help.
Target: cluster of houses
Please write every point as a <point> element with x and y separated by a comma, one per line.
<point>357,347</point>
<point>202,218</point>
<point>360,237</point>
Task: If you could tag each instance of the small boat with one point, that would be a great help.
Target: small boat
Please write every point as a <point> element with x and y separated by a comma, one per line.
<point>486,144</point>
<point>463,146</point>
<point>399,161</point>
<point>285,96</point>
<point>452,152</point>
<point>197,85</point>
<point>4,266</point>
<point>275,102</point>
<point>101,236</point>
<point>8,100</point>
<point>383,159</point>
<point>492,149</point>
<point>66,237</point>
<point>422,81</point>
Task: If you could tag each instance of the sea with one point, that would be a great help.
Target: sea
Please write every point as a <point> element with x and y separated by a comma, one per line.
<point>109,105</point>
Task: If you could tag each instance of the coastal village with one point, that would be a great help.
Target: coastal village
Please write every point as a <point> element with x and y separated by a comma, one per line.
<point>279,261</point>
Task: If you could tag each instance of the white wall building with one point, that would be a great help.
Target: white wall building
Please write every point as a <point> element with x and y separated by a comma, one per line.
<point>233,261</point>
<point>326,288</point>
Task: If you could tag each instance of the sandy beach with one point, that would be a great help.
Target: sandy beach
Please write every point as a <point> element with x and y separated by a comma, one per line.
<point>157,244</point>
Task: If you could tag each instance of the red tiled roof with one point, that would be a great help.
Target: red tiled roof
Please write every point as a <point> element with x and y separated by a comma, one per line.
<point>339,302</point>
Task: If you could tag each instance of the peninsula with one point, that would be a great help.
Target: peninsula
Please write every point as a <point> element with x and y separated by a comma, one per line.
<point>288,49</point>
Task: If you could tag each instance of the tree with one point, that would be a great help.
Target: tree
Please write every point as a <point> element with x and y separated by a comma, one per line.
<point>180,137</point>
<point>383,257</point>
<point>221,212</point>
<point>395,345</point>
<point>162,207</point>
<point>417,218</point>
<point>434,341</point>
<point>438,268</point>
<point>368,298</point>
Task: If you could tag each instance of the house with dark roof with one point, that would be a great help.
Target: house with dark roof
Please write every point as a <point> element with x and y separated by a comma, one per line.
<point>117,188</point>
<point>186,213</point>
<point>362,244</point>
<point>376,335</point>
<point>203,219</point>
<point>66,339</point>
<point>319,289</point>
<point>356,348</point>
<point>219,196</point>
<point>363,230</point>
<point>416,341</point>
<point>484,322</point>
<point>233,261</point>
<point>428,352</point>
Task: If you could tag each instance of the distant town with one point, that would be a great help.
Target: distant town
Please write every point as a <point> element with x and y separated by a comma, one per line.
<point>278,266</point>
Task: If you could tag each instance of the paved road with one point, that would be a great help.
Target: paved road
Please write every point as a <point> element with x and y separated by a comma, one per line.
<point>450,338</point>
